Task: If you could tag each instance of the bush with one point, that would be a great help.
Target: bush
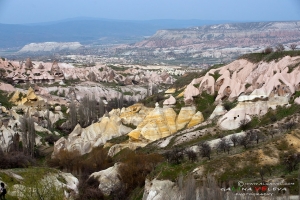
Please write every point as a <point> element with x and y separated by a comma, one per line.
<point>37,189</point>
<point>135,168</point>
<point>291,160</point>
<point>192,156</point>
<point>4,99</point>
<point>205,150</point>
<point>229,105</point>
<point>175,156</point>
<point>88,189</point>
<point>268,50</point>
<point>244,124</point>
<point>15,160</point>
<point>73,162</point>
<point>205,104</point>
<point>51,139</point>
<point>268,57</point>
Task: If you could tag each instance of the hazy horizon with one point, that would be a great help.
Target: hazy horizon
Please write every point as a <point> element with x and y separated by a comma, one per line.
<point>36,11</point>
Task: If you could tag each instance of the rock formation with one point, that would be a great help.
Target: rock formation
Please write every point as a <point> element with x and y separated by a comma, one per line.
<point>29,99</point>
<point>84,139</point>
<point>160,189</point>
<point>109,179</point>
<point>162,122</point>
<point>170,101</point>
<point>265,79</point>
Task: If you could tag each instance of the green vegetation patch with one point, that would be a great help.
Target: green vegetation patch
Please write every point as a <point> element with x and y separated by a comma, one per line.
<point>170,171</point>
<point>258,57</point>
<point>186,79</point>
<point>216,75</point>
<point>117,68</point>
<point>4,99</point>
<point>128,93</point>
<point>272,116</point>
<point>205,104</point>
<point>119,139</point>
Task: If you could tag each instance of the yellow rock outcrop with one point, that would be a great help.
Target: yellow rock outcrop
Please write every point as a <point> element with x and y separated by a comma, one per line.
<point>134,114</point>
<point>15,97</point>
<point>162,122</point>
<point>159,123</point>
<point>170,91</point>
<point>30,98</point>
<point>84,139</point>
<point>181,94</point>
<point>185,116</point>
<point>196,119</point>
<point>31,95</point>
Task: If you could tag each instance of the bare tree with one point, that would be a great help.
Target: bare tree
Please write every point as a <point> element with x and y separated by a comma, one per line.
<point>92,77</point>
<point>289,125</point>
<point>28,134</point>
<point>15,143</point>
<point>87,111</point>
<point>293,46</point>
<point>279,47</point>
<point>244,140</point>
<point>223,145</point>
<point>268,50</point>
<point>205,150</point>
<point>192,156</point>
<point>49,123</point>
<point>101,108</point>
<point>244,124</point>
<point>175,156</point>
<point>272,132</point>
<point>234,139</point>
<point>255,135</point>
<point>72,115</point>
<point>119,101</point>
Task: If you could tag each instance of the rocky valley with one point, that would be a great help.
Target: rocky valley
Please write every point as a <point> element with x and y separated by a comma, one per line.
<point>134,132</point>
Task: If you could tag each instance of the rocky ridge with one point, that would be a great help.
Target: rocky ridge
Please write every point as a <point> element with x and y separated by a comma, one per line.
<point>50,46</point>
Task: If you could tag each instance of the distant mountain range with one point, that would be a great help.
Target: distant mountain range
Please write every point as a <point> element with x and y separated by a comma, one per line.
<point>227,35</point>
<point>89,31</point>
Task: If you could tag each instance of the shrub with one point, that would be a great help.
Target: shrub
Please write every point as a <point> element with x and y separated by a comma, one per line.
<point>293,46</point>
<point>51,139</point>
<point>175,156</point>
<point>290,160</point>
<point>96,160</point>
<point>135,168</point>
<point>229,105</point>
<point>223,145</point>
<point>15,160</point>
<point>88,189</point>
<point>205,150</point>
<point>37,189</point>
<point>192,156</point>
<point>244,140</point>
<point>268,50</point>
<point>244,124</point>
<point>234,139</point>
<point>4,99</point>
<point>280,48</point>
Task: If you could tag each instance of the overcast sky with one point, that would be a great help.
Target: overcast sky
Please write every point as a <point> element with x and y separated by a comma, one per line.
<point>33,11</point>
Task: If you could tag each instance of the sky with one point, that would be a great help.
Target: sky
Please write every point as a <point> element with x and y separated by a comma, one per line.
<point>36,11</point>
